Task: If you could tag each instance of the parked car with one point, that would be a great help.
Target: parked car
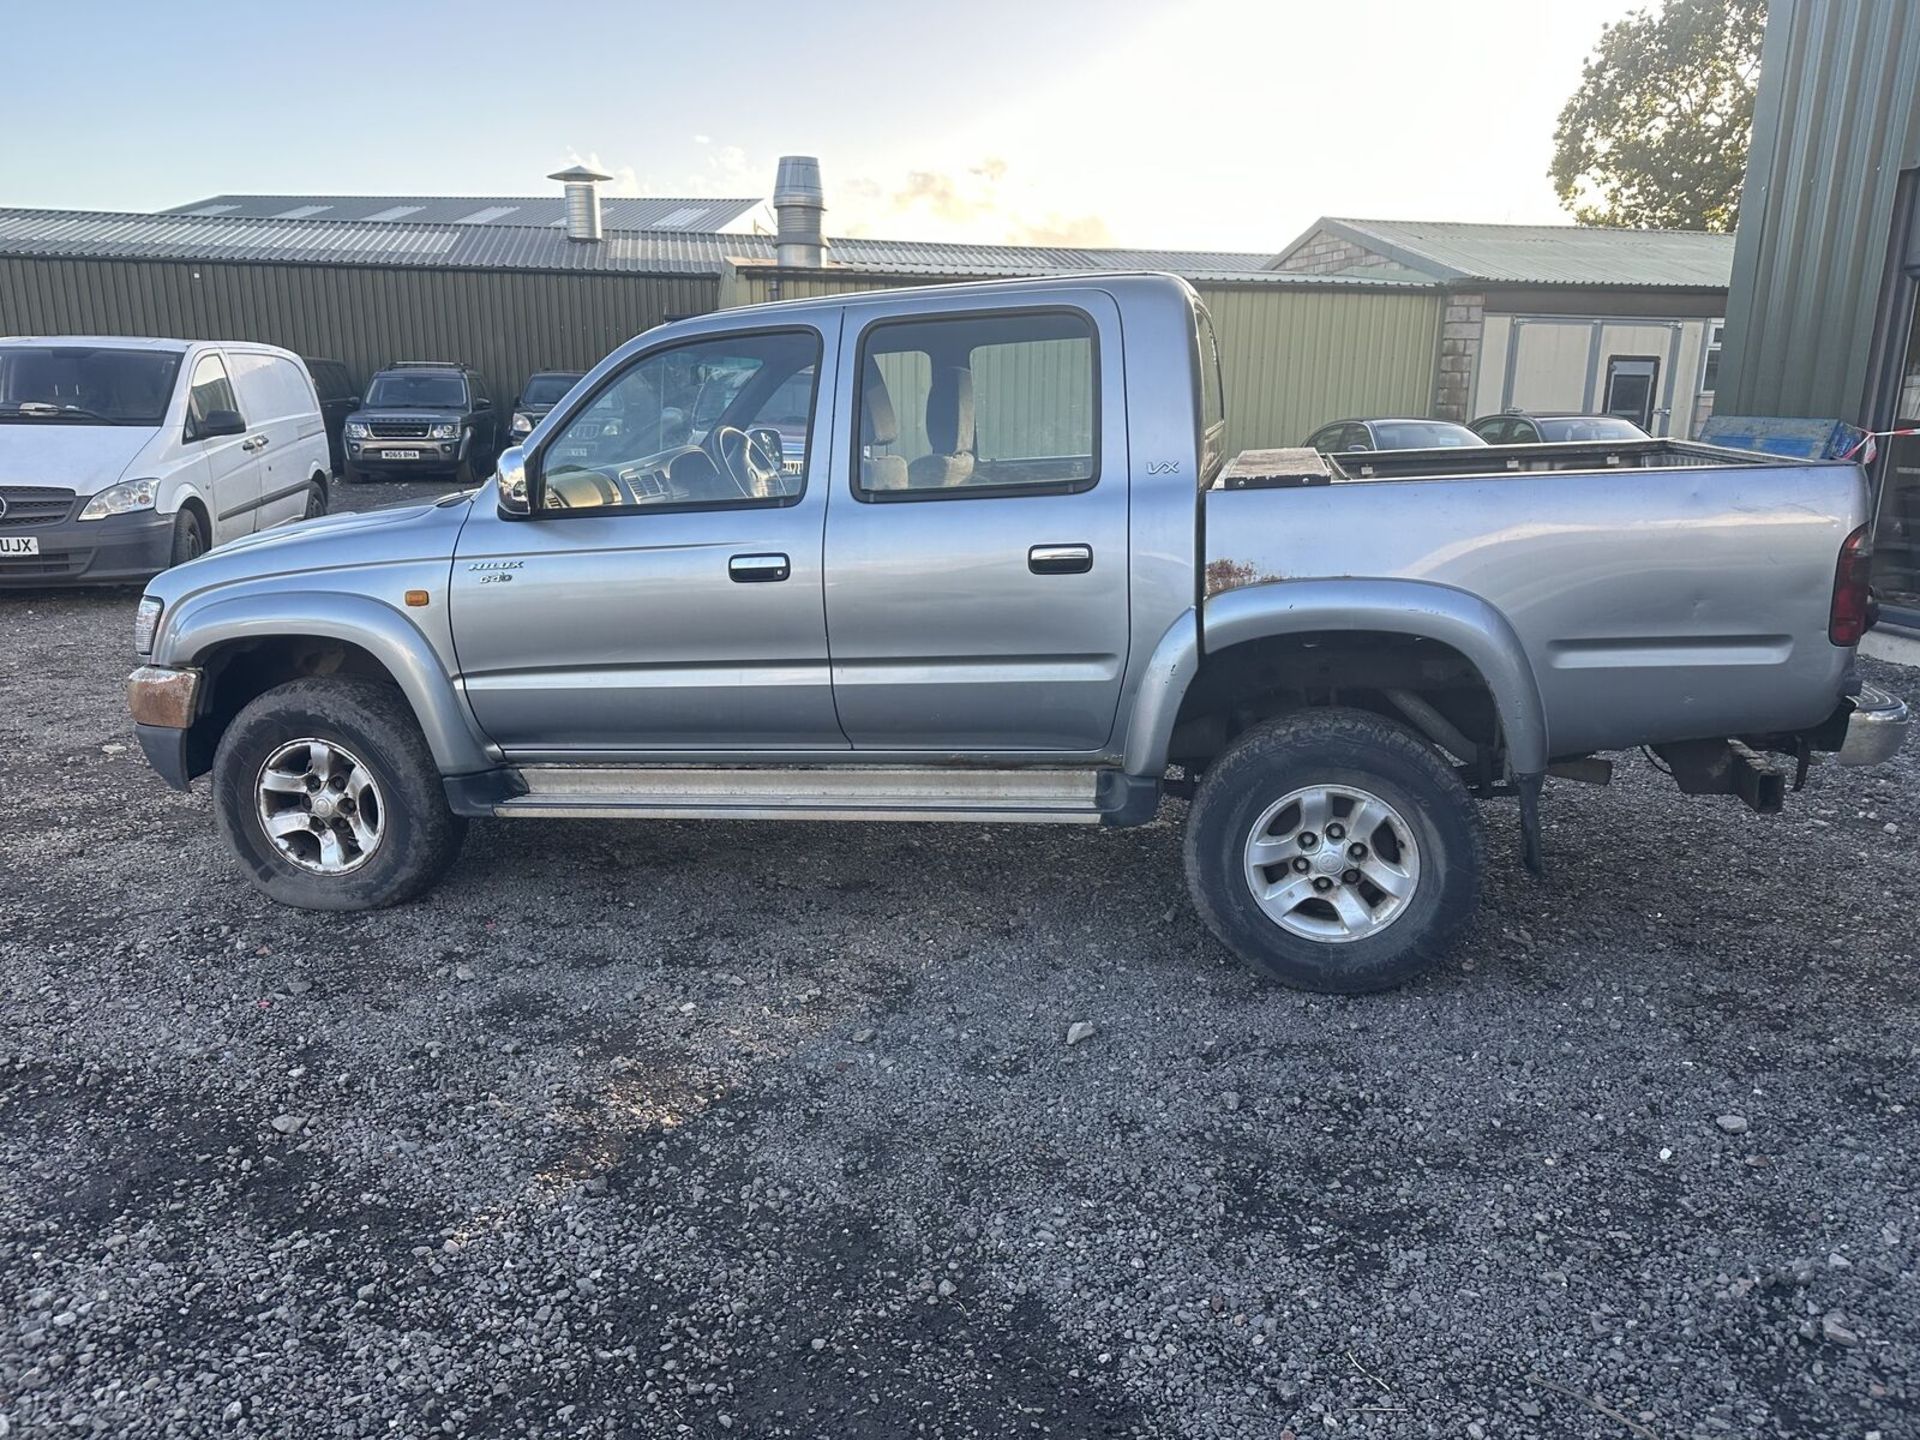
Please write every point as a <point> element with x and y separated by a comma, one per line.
<point>1002,586</point>
<point>338,399</point>
<point>424,418</point>
<point>544,389</point>
<point>1390,434</point>
<point>120,457</point>
<point>1518,427</point>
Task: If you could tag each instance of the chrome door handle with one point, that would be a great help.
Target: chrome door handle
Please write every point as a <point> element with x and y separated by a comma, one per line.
<point>254,442</point>
<point>758,569</point>
<point>1060,559</point>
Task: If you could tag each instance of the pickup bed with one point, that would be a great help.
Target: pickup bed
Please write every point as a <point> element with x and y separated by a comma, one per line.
<point>970,553</point>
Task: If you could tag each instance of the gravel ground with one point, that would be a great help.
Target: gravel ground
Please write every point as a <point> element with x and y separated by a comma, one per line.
<point>773,1130</point>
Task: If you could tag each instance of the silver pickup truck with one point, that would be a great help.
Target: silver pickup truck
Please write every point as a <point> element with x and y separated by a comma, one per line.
<point>974,553</point>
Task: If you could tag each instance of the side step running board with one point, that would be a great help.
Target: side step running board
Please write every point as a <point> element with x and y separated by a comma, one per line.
<point>822,792</point>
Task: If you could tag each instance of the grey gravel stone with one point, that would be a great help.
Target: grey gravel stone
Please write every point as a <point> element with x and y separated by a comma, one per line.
<point>1732,1124</point>
<point>1423,1198</point>
<point>1081,1030</point>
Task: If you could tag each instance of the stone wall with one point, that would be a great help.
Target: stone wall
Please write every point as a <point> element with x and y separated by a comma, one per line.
<point>1462,324</point>
<point>1323,253</point>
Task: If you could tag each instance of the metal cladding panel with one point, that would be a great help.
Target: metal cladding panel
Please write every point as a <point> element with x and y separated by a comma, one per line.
<point>1836,119</point>
<point>507,324</point>
<point>1291,360</point>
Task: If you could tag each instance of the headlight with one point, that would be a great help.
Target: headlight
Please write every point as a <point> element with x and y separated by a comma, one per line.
<point>444,432</point>
<point>119,499</point>
<point>146,620</point>
<point>522,423</point>
<point>357,430</point>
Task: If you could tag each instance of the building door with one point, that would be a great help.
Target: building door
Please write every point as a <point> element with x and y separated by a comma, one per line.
<point>1631,386</point>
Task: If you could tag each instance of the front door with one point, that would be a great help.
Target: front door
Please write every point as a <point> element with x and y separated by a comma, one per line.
<point>233,462</point>
<point>976,549</point>
<point>665,593</point>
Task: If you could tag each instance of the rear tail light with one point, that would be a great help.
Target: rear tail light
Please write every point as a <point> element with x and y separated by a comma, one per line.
<point>1852,612</point>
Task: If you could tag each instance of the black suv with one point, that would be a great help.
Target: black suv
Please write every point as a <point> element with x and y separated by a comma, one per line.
<point>424,417</point>
<point>544,390</point>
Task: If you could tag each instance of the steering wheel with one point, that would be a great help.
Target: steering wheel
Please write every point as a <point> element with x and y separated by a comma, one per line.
<point>752,465</point>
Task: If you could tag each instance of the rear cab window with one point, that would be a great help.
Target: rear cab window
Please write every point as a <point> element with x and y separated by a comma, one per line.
<point>975,405</point>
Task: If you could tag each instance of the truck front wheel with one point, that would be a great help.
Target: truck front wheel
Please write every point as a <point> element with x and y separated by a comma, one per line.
<point>328,795</point>
<point>1335,851</point>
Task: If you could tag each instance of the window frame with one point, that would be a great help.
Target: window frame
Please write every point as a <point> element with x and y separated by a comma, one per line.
<point>536,458</point>
<point>973,492</point>
<point>1653,387</point>
<point>190,429</point>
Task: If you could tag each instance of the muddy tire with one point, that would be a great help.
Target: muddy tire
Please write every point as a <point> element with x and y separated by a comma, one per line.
<point>329,798</point>
<point>1333,850</point>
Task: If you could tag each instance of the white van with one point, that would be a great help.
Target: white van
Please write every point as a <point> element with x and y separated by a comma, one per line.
<point>121,457</point>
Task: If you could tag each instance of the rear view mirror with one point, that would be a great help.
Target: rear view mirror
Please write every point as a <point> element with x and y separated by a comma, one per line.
<point>216,423</point>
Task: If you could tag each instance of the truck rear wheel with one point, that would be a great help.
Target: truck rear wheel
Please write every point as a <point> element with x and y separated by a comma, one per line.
<point>328,795</point>
<point>1335,851</point>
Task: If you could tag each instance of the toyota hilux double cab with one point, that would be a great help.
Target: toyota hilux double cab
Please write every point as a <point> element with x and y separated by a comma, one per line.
<point>423,419</point>
<point>1001,571</point>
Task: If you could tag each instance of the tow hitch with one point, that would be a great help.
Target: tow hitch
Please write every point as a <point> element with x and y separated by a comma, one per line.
<point>1725,767</point>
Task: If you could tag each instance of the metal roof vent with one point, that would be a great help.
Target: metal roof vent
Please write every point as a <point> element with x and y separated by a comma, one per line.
<point>583,201</point>
<point>798,203</point>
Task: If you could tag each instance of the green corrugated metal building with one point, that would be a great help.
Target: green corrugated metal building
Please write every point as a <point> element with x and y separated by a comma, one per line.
<point>1821,320</point>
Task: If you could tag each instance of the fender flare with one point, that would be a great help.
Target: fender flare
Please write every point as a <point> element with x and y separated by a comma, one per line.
<point>1391,607</point>
<point>376,627</point>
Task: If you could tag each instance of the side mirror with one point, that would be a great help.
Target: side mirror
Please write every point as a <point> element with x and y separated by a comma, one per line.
<point>217,423</point>
<point>354,401</point>
<point>516,501</point>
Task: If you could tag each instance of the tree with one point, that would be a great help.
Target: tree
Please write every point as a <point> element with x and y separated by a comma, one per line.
<point>1656,135</point>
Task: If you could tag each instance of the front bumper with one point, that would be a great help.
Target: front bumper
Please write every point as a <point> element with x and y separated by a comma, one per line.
<point>428,454</point>
<point>117,550</point>
<point>164,700</point>
<point>1875,730</point>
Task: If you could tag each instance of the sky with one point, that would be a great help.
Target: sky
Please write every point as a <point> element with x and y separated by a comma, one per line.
<point>1214,124</point>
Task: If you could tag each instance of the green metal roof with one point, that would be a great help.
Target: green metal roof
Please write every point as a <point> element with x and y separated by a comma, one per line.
<point>1543,254</point>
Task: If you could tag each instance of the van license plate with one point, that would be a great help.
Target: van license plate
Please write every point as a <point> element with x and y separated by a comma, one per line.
<point>402,454</point>
<point>19,545</point>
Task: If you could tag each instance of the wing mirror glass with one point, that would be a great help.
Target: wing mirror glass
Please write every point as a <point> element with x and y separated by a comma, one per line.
<point>216,423</point>
<point>516,501</point>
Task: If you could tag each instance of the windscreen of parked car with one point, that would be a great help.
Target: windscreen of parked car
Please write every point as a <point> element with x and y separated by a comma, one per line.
<point>85,384</point>
<point>547,389</point>
<point>1421,435</point>
<point>409,390</point>
<point>1590,427</point>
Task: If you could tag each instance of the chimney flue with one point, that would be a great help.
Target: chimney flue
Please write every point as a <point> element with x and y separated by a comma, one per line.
<point>798,203</point>
<point>583,201</point>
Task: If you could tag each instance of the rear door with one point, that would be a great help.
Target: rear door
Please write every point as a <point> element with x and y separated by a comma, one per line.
<point>232,478</point>
<point>976,547</point>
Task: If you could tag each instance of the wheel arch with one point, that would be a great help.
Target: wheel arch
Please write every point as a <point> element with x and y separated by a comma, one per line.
<point>246,645</point>
<point>1202,640</point>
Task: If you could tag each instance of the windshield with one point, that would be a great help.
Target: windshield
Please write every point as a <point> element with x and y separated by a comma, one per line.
<point>411,389</point>
<point>1590,427</point>
<point>1421,435</point>
<point>85,384</point>
<point>547,389</point>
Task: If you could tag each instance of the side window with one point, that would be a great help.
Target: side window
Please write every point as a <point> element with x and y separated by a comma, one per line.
<point>1356,437</point>
<point>711,423</point>
<point>978,405</point>
<point>1327,439</point>
<point>211,391</point>
<point>1494,432</point>
<point>478,384</point>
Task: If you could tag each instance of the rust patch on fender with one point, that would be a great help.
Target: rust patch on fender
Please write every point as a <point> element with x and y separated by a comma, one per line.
<point>1225,575</point>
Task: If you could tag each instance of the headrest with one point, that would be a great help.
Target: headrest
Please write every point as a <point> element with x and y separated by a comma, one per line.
<point>878,424</point>
<point>950,410</point>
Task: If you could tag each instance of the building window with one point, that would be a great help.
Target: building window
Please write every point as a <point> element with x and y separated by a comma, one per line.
<point>1710,364</point>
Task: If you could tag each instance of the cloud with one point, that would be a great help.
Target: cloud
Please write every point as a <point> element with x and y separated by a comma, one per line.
<point>982,203</point>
